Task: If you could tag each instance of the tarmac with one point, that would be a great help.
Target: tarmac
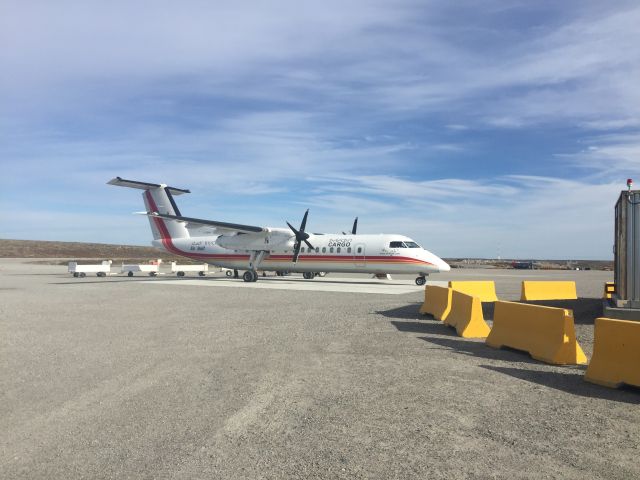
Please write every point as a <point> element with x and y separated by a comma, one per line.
<point>145,377</point>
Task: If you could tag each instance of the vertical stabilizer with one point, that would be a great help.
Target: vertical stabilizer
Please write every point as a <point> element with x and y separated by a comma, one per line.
<point>159,198</point>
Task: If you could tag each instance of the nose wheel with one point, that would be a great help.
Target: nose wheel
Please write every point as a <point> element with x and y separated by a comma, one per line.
<point>421,280</point>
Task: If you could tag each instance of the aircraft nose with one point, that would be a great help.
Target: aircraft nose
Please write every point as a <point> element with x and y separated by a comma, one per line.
<point>443,266</point>
<point>437,262</point>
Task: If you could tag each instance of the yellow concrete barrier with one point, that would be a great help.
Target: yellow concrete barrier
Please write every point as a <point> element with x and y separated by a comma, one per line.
<point>548,291</point>
<point>466,316</point>
<point>485,290</point>
<point>609,289</point>
<point>547,333</point>
<point>437,301</point>
<point>616,353</point>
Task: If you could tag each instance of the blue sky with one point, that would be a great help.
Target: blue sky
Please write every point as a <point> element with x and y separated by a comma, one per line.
<point>477,128</point>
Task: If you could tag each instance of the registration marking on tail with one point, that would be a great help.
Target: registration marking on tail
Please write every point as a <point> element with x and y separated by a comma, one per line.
<point>346,285</point>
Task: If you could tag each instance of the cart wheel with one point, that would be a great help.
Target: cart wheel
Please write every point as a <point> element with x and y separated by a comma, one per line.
<point>152,274</point>
<point>82,274</point>
<point>75,274</point>
<point>201,274</point>
<point>130,274</point>
<point>229,273</point>
<point>180,274</point>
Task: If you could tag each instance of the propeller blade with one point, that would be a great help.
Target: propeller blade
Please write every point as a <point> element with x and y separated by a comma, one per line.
<point>300,235</point>
<point>304,221</point>
<point>296,252</point>
<point>355,226</point>
<point>309,245</point>
<point>293,229</point>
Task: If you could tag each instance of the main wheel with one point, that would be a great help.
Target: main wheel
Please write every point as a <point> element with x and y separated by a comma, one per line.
<point>421,281</point>
<point>249,276</point>
<point>321,274</point>
<point>308,275</point>
<point>130,274</point>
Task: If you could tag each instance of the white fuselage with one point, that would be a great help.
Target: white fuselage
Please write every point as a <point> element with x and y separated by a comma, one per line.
<point>331,253</point>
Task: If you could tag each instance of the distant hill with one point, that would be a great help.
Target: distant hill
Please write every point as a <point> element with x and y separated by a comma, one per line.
<point>533,264</point>
<point>76,250</point>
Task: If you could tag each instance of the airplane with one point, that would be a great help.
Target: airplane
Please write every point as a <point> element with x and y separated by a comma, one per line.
<point>252,248</point>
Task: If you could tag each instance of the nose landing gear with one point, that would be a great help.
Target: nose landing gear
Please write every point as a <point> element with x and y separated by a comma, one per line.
<point>421,280</point>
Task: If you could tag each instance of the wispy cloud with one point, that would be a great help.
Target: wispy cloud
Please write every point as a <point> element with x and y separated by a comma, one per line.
<point>609,156</point>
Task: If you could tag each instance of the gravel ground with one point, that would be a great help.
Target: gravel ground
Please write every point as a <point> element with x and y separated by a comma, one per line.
<point>114,378</point>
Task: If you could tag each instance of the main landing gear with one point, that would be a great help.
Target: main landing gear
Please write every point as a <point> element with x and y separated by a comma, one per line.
<point>308,275</point>
<point>250,276</point>
<point>421,280</point>
<point>255,259</point>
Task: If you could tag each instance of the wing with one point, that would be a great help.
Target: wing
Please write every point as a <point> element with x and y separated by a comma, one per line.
<point>198,222</point>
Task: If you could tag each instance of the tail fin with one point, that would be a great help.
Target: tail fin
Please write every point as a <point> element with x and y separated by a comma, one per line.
<point>158,198</point>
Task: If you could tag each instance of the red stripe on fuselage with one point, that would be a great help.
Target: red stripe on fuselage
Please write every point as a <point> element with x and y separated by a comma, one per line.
<point>165,236</point>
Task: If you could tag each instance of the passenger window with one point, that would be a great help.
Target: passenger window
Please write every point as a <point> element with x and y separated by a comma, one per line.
<point>317,249</point>
<point>348,249</point>
<point>331,250</point>
<point>324,249</point>
<point>359,249</point>
<point>338,250</point>
<point>302,250</point>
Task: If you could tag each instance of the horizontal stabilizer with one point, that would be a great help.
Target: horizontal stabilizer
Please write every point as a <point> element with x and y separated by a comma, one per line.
<point>121,182</point>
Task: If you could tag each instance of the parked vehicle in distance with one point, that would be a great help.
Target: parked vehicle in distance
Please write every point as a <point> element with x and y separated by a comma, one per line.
<point>100,270</point>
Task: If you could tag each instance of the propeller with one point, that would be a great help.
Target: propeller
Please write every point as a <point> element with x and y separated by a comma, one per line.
<point>301,236</point>
<point>354,229</point>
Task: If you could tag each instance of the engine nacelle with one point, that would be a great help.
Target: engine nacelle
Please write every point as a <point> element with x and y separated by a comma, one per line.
<point>256,241</point>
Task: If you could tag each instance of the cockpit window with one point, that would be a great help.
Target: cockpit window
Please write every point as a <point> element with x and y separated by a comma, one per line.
<point>403,245</point>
